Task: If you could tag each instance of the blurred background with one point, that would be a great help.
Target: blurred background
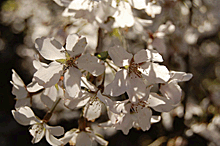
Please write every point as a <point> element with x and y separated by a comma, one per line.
<point>193,47</point>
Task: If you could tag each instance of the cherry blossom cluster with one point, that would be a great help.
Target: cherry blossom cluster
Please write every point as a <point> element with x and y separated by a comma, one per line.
<point>131,85</point>
<point>67,78</point>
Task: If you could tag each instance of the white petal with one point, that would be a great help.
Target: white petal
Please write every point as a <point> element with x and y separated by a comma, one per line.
<point>49,76</point>
<point>159,103</point>
<point>126,124</point>
<point>147,55</point>
<point>76,45</point>
<point>138,4</point>
<point>172,91</point>
<point>37,131</point>
<point>23,102</point>
<point>154,73</point>
<point>87,84</point>
<point>78,102</point>
<point>114,118</point>
<point>49,96</point>
<point>152,9</point>
<point>92,110</point>
<point>71,41</point>
<point>34,86</point>
<point>114,106</point>
<point>144,117</point>
<point>83,139</point>
<point>103,10</point>
<point>136,88</point>
<point>19,91</point>
<point>71,81</point>
<point>99,139</point>
<point>91,64</point>
<point>118,85</point>
<point>120,56</point>
<point>124,16</point>
<point>55,130</point>
<point>52,140</point>
<point>37,64</point>
<point>155,119</point>
<point>50,48</point>
<point>16,79</point>
<point>62,3</point>
<point>80,5</point>
<point>106,124</point>
<point>69,135</point>
<point>24,116</point>
<point>180,76</point>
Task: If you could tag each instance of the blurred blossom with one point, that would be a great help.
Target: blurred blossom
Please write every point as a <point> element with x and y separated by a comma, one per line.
<point>209,49</point>
<point>189,132</point>
<point>215,97</point>
<point>23,51</point>
<point>2,44</point>
<point>167,121</point>
<point>210,131</point>
<point>18,27</point>
<point>184,10</point>
<point>191,110</point>
<point>191,37</point>
<point>203,9</point>
<point>197,3</point>
<point>206,26</point>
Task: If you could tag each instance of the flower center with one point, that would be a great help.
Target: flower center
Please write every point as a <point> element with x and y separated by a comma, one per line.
<point>133,67</point>
<point>71,62</point>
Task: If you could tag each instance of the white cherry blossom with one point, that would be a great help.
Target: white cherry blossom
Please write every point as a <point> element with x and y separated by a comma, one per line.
<point>66,61</point>
<point>39,129</point>
<point>124,115</point>
<point>137,72</point>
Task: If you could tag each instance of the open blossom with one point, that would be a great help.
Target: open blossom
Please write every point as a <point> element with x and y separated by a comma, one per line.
<point>124,115</point>
<point>137,72</point>
<point>66,61</point>
<point>84,137</point>
<point>23,92</point>
<point>39,129</point>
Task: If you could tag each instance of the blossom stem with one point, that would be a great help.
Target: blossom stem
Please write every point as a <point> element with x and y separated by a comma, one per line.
<point>50,112</point>
<point>111,66</point>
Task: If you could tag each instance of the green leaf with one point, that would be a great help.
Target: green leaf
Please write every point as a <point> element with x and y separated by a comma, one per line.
<point>63,61</point>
